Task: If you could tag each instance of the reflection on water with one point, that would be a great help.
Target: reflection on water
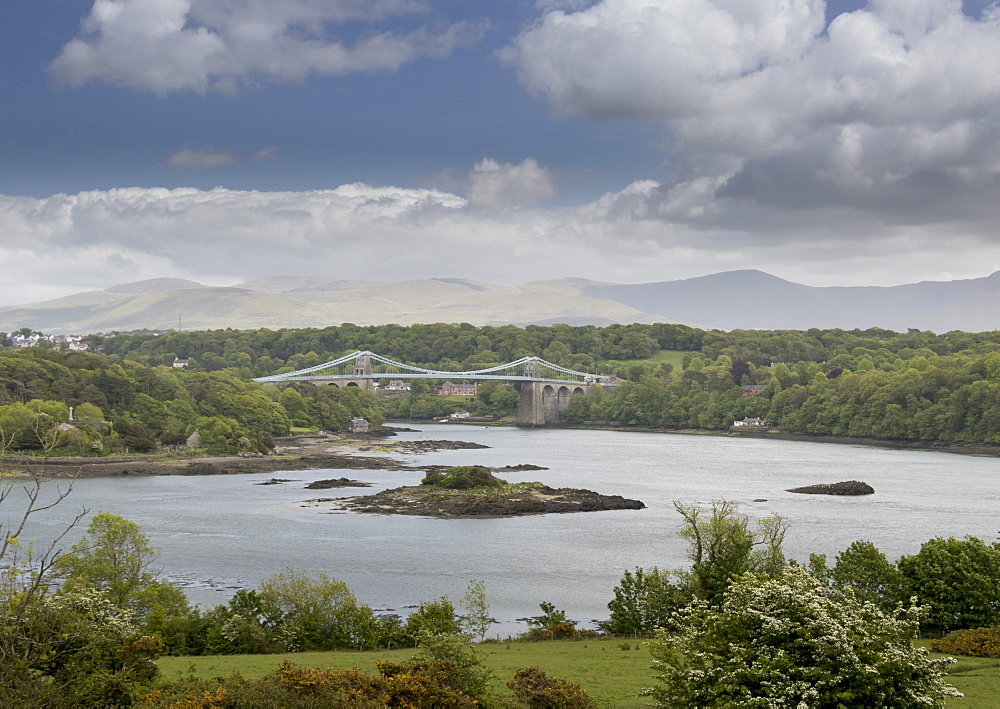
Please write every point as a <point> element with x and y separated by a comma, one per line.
<point>216,534</point>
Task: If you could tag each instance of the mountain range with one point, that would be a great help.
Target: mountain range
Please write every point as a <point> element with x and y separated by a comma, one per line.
<point>745,299</point>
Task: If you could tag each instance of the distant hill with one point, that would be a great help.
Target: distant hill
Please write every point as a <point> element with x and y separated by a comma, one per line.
<point>757,300</point>
<point>292,301</point>
<point>734,299</point>
<point>154,285</point>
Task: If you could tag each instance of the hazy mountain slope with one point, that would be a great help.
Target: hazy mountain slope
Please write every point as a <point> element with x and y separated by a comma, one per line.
<point>291,301</point>
<point>154,285</point>
<point>736,299</point>
<point>756,300</point>
<point>197,308</point>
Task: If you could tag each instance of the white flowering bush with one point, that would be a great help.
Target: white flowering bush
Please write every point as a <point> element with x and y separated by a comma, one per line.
<point>784,641</point>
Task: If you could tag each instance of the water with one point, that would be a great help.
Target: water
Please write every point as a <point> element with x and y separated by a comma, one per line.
<point>215,534</point>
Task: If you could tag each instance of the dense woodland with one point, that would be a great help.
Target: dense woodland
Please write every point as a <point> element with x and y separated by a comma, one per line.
<point>874,383</point>
<point>130,407</point>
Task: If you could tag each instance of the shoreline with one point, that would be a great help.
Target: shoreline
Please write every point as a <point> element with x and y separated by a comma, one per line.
<point>957,447</point>
<point>354,451</point>
<point>302,452</point>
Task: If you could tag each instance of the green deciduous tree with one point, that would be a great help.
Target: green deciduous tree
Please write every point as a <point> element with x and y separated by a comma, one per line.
<point>870,575</point>
<point>644,601</point>
<point>433,618</point>
<point>722,545</point>
<point>314,613</point>
<point>114,556</point>
<point>785,641</point>
<point>959,579</point>
<point>476,618</point>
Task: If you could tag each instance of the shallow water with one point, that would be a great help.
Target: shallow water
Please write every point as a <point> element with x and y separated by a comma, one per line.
<point>218,533</point>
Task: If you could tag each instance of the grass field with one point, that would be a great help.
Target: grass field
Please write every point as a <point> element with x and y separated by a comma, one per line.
<point>673,357</point>
<point>611,674</point>
<point>978,678</point>
<point>604,667</point>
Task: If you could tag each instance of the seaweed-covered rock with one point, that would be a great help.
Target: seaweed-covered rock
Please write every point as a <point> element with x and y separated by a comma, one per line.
<point>462,477</point>
<point>846,488</point>
<point>336,482</point>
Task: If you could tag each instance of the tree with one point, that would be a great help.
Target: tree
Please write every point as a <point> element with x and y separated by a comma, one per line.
<point>88,412</point>
<point>959,579</point>
<point>477,619</point>
<point>419,387</point>
<point>25,572</point>
<point>321,613</point>
<point>93,653</point>
<point>722,546</point>
<point>873,578</point>
<point>296,407</point>
<point>433,618</point>
<point>551,625</point>
<point>644,601</point>
<point>114,557</point>
<point>70,649</point>
<point>785,641</point>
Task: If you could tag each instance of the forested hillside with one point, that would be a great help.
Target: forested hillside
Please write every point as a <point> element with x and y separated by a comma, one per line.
<point>875,383</point>
<point>129,407</point>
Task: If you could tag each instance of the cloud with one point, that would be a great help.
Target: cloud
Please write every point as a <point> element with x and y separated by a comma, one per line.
<point>646,232</point>
<point>495,185</point>
<point>194,158</point>
<point>206,45</point>
<point>888,115</point>
<point>269,153</point>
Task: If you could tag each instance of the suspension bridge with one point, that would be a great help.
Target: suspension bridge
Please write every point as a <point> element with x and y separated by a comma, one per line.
<point>545,388</point>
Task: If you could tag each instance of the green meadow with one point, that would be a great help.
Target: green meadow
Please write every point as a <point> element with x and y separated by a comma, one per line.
<point>612,670</point>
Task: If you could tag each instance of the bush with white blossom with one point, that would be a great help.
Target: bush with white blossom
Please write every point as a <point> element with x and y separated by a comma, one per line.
<point>785,641</point>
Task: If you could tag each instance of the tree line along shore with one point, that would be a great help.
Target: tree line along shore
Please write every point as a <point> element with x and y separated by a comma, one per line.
<point>871,384</point>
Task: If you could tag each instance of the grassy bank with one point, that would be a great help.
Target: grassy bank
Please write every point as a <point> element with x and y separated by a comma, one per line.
<point>611,669</point>
<point>612,674</point>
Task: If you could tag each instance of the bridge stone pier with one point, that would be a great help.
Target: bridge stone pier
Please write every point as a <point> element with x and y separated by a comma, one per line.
<point>541,402</point>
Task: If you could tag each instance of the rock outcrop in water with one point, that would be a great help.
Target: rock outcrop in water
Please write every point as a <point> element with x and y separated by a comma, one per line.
<point>511,501</point>
<point>335,482</point>
<point>847,488</point>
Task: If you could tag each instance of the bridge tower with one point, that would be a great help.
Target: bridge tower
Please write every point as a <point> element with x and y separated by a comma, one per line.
<point>363,372</point>
<point>530,411</point>
<point>363,365</point>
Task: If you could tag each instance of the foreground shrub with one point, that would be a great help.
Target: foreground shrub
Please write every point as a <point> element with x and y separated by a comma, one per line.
<point>785,641</point>
<point>534,688</point>
<point>554,625</point>
<point>419,684</point>
<point>463,477</point>
<point>415,684</point>
<point>978,642</point>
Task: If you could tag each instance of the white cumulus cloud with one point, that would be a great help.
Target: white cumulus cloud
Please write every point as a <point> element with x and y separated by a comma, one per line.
<point>202,45</point>
<point>495,185</point>
<point>773,118</point>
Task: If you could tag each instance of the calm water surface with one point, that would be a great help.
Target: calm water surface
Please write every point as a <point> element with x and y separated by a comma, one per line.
<point>215,534</point>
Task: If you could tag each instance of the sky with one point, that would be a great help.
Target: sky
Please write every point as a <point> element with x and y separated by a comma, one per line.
<point>839,143</point>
